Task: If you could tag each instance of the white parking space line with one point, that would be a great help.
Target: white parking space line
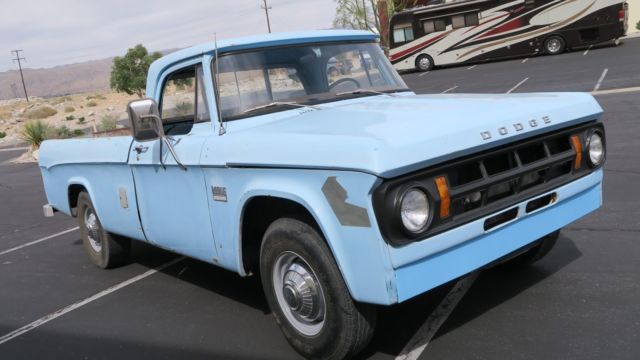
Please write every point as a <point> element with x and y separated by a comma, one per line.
<point>418,343</point>
<point>471,67</point>
<point>449,89</point>
<point>517,85</point>
<point>45,319</point>
<point>617,42</point>
<point>14,149</point>
<point>599,83</point>
<point>617,91</point>
<point>39,240</point>
<point>587,51</point>
<point>423,74</point>
<point>524,61</point>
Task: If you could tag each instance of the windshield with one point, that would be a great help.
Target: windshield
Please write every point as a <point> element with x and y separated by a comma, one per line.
<point>276,79</point>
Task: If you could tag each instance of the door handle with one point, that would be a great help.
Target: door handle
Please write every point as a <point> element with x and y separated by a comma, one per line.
<point>140,149</point>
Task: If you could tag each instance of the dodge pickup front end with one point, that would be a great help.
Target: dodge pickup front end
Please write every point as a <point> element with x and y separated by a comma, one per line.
<point>343,190</point>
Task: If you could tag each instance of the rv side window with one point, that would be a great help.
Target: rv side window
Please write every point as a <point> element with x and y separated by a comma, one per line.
<point>402,33</point>
<point>529,4</point>
<point>430,26</point>
<point>464,20</point>
<point>471,19</point>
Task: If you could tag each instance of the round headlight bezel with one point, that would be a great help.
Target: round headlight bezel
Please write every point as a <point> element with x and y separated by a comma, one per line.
<point>589,138</point>
<point>399,207</point>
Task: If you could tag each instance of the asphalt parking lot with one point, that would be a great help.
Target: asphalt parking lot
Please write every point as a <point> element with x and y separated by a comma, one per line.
<point>580,302</point>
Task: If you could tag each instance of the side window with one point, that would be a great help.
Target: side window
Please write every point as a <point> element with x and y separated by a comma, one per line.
<point>529,4</point>
<point>440,25</point>
<point>403,33</point>
<point>179,97</point>
<point>464,20</point>
<point>457,21</point>
<point>471,19</point>
<point>183,97</point>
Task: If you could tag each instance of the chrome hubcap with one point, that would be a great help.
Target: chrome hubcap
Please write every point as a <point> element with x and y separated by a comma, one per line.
<point>93,230</point>
<point>299,293</point>
<point>553,45</point>
<point>424,63</point>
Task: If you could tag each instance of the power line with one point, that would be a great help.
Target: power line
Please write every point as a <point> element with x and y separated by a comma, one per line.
<point>266,12</point>
<point>18,58</point>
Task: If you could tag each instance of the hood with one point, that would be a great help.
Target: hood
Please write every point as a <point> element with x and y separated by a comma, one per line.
<point>391,136</point>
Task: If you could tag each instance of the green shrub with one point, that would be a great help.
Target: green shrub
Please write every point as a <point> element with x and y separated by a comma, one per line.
<point>35,132</point>
<point>78,132</point>
<point>69,109</point>
<point>80,120</point>
<point>184,108</point>
<point>41,113</point>
<point>108,122</point>
<point>70,117</point>
<point>2,134</point>
<point>92,103</point>
<point>63,132</point>
<point>638,25</point>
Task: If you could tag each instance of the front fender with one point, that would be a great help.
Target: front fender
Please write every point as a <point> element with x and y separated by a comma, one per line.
<point>357,246</point>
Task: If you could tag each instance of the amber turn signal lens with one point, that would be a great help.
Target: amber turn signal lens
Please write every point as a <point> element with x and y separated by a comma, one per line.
<point>445,199</point>
<point>577,146</point>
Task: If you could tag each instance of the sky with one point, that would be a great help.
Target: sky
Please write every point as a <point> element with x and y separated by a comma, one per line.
<point>57,32</point>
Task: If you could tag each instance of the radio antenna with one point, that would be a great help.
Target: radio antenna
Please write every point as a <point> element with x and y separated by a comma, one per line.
<point>216,75</point>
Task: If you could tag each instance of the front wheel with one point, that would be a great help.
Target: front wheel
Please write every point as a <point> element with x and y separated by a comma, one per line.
<point>554,45</point>
<point>104,249</point>
<point>308,297</point>
<point>424,63</point>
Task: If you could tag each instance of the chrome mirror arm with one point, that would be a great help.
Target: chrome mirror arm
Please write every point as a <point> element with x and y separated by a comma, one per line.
<point>173,153</point>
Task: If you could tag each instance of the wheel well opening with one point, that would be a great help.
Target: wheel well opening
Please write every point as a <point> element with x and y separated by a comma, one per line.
<point>258,214</point>
<point>74,192</point>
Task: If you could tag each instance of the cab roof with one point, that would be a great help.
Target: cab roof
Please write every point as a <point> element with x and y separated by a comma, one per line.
<point>258,41</point>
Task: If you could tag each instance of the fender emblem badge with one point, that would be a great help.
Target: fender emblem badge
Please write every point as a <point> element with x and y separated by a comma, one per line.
<point>219,193</point>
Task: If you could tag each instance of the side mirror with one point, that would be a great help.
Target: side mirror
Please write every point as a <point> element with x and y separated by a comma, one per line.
<point>146,124</point>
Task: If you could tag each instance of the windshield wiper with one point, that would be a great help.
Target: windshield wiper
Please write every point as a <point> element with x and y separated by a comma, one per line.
<point>280,103</point>
<point>364,91</point>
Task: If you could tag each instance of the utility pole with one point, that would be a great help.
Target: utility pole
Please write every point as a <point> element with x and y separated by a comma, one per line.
<point>18,58</point>
<point>266,11</point>
<point>364,11</point>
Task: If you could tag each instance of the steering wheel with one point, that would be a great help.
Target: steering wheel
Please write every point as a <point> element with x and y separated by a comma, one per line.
<point>340,81</point>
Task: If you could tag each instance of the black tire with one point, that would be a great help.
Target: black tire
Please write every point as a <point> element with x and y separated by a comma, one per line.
<point>554,45</point>
<point>424,63</point>
<point>347,326</point>
<point>107,250</point>
<point>540,250</point>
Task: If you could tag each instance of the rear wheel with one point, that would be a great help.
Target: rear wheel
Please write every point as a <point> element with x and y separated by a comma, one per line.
<point>104,249</point>
<point>554,45</point>
<point>308,297</point>
<point>424,63</point>
<point>540,250</point>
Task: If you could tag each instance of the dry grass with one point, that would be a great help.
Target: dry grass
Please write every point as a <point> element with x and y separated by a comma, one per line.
<point>92,104</point>
<point>41,113</point>
<point>69,109</point>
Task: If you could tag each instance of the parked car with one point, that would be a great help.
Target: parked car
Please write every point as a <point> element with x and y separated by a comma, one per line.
<point>342,195</point>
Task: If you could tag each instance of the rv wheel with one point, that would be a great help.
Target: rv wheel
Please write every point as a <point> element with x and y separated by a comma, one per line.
<point>554,45</point>
<point>424,63</point>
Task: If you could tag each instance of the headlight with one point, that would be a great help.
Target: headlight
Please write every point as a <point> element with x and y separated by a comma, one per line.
<point>596,149</point>
<point>415,210</point>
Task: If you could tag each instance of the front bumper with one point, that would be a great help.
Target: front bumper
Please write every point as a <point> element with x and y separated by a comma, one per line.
<point>426,264</point>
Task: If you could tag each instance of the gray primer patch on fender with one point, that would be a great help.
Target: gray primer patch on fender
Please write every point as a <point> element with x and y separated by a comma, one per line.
<point>347,214</point>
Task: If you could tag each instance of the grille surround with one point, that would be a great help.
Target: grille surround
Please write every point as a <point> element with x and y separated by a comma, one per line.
<point>515,173</point>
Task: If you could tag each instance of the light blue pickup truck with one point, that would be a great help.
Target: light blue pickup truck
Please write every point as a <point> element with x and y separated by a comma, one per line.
<point>342,190</point>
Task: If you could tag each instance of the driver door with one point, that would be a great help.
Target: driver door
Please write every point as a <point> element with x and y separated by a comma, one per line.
<point>172,201</point>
